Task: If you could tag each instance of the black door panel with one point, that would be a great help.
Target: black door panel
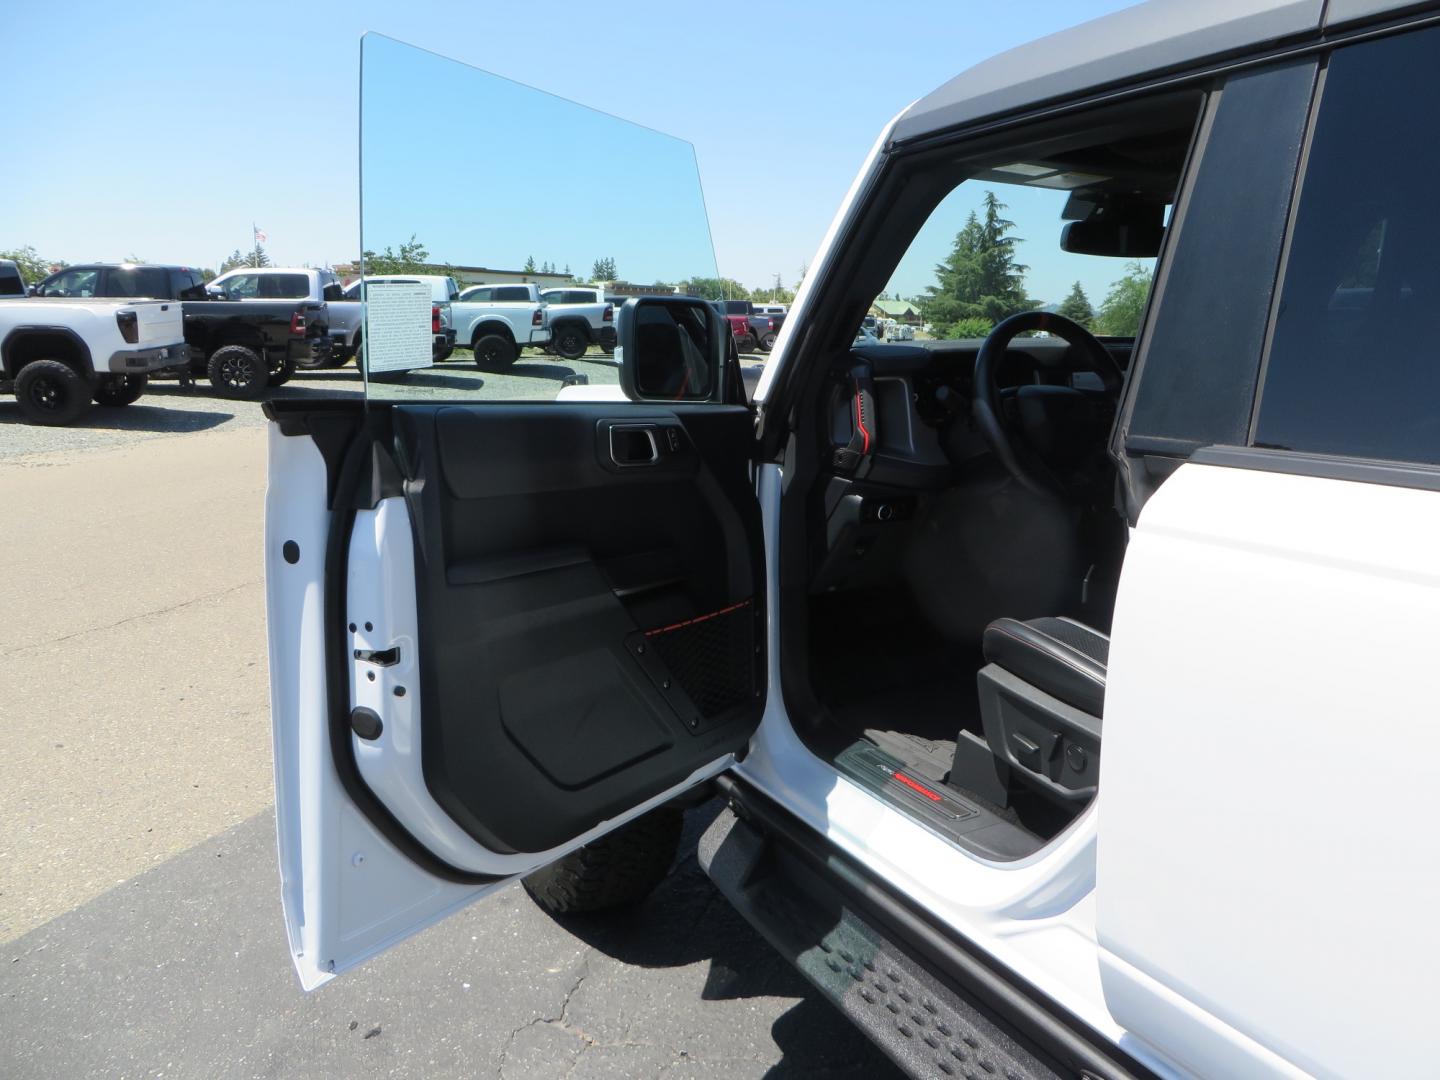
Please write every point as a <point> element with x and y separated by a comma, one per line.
<point>588,608</point>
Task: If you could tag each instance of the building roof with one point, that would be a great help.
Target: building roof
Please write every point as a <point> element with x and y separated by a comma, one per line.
<point>1124,47</point>
<point>896,307</point>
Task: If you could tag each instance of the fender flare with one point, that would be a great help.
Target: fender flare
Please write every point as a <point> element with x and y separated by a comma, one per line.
<point>7,346</point>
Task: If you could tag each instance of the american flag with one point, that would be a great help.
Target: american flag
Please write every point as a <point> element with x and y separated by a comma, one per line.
<point>260,236</point>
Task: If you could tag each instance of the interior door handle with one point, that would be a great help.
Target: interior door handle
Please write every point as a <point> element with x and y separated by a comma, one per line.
<point>633,445</point>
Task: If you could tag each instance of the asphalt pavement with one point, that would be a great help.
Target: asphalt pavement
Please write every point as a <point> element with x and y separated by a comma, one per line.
<point>140,930</point>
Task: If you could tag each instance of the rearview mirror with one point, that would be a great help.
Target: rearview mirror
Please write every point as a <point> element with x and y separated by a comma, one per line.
<point>671,348</point>
<point>1125,228</point>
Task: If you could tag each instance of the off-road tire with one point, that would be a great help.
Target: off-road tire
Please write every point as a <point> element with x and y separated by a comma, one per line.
<point>745,343</point>
<point>51,393</point>
<point>238,372</point>
<point>494,352</point>
<point>444,354</point>
<point>281,371</point>
<point>113,391</point>
<point>767,342</point>
<point>618,870</point>
<point>570,342</point>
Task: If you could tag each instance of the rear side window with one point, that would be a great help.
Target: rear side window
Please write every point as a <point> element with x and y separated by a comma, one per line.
<point>512,292</point>
<point>284,286</point>
<point>138,281</point>
<point>480,296</point>
<point>1354,363</point>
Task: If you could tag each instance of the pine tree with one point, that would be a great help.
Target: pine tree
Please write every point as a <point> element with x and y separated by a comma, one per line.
<point>530,264</point>
<point>980,279</point>
<point>1077,307</point>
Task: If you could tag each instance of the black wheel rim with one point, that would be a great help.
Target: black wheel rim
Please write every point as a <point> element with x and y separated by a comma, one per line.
<point>237,372</point>
<point>47,394</point>
<point>490,353</point>
<point>570,343</point>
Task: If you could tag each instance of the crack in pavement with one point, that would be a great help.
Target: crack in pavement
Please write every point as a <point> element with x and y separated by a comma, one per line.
<point>134,618</point>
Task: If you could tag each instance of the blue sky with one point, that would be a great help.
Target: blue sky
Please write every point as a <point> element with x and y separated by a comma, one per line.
<point>163,129</point>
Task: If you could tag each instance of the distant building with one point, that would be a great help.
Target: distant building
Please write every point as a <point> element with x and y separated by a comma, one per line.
<point>900,310</point>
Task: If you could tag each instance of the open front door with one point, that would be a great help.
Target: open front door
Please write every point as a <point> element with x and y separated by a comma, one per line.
<point>506,616</point>
<point>498,643</point>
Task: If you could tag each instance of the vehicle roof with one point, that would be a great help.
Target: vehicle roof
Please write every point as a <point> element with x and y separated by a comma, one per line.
<point>1128,45</point>
<point>129,265</point>
<point>276,270</point>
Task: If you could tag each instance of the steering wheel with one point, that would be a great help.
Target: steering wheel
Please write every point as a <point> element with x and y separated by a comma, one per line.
<point>1047,437</point>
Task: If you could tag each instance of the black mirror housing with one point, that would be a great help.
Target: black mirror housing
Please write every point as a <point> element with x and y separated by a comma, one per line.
<point>671,348</point>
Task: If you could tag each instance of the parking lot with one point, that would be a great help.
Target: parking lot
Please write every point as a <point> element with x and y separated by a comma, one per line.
<point>139,906</point>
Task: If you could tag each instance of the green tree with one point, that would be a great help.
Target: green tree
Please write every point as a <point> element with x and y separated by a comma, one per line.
<point>1076,307</point>
<point>709,288</point>
<point>567,270</point>
<point>253,257</point>
<point>32,266</point>
<point>980,278</point>
<point>604,270</point>
<point>1123,305</point>
<point>410,259</point>
<point>530,264</point>
<point>973,327</point>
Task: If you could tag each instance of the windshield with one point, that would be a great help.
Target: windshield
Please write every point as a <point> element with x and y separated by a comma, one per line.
<point>992,249</point>
<point>516,223</point>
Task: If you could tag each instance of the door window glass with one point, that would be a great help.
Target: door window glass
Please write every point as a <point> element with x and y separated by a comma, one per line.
<point>1354,364</point>
<point>652,234</point>
<point>242,286</point>
<point>72,283</point>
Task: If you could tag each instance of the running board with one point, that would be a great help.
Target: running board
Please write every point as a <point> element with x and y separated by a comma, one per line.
<point>924,1026</point>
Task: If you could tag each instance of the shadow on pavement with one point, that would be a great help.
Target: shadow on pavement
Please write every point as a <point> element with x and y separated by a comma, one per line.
<point>135,417</point>
<point>686,921</point>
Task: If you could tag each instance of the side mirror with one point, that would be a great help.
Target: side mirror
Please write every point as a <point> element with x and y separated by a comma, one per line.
<point>216,292</point>
<point>332,292</point>
<point>671,348</point>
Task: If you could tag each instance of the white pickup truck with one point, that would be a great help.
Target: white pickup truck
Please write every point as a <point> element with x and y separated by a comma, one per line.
<point>57,356</point>
<point>497,321</point>
<point>299,283</point>
<point>580,316</point>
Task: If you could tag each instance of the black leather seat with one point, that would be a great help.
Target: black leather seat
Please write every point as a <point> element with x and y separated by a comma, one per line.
<point>1060,656</point>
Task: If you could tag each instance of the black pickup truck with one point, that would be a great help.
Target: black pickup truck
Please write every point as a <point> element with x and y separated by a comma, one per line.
<point>245,346</point>
<point>241,346</point>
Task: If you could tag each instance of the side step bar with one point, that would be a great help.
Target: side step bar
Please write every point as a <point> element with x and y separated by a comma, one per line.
<point>951,1015</point>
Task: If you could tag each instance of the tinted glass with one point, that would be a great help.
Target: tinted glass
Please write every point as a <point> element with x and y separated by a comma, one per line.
<point>10,283</point>
<point>1354,365</point>
<point>138,281</point>
<point>1197,375</point>
<point>635,213</point>
<point>285,286</point>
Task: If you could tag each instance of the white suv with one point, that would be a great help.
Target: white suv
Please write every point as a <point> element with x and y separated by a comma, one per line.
<point>1071,692</point>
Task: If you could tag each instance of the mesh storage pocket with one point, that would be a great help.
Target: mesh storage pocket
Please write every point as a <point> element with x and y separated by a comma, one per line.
<point>711,657</point>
